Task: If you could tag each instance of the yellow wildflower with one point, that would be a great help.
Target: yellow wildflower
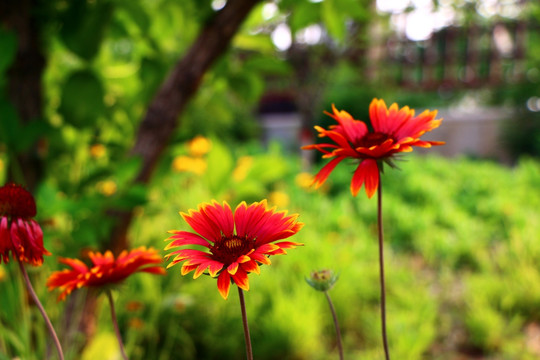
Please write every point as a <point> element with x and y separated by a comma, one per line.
<point>199,146</point>
<point>243,165</point>
<point>107,187</point>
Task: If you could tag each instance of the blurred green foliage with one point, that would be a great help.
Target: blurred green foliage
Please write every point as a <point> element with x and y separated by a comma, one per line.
<point>462,265</point>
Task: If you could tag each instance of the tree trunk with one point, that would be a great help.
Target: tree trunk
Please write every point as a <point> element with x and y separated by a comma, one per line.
<point>24,80</point>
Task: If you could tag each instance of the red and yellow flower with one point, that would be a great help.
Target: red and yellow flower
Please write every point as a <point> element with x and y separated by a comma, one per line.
<point>236,243</point>
<point>394,131</point>
<point>20,234</point>
<point>106,270</point>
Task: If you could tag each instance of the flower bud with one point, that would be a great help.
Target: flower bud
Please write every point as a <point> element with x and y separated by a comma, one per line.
<point>322,280</point>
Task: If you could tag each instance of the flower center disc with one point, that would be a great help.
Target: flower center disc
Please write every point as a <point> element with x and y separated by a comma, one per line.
<point>372,139</point>
<point>15,201</point>
<point>228,249</point>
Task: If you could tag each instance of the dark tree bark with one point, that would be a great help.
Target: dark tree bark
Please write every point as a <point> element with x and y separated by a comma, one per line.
<point>24,78</point>
<point>161,118</point>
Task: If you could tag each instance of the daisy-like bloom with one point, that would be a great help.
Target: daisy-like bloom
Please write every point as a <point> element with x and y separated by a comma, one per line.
<point>106,270</point>
<point>20,234</point>
<point>236,243</point>
<point>395,130</point>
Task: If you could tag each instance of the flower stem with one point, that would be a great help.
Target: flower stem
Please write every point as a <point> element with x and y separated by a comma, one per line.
<point>41,310</point>
<point>381,270</point>
<point>249,350</point>
<point>336,324</point>
<point>115,323</point>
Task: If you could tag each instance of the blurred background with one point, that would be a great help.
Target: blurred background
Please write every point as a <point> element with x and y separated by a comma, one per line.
<point>118,114</point>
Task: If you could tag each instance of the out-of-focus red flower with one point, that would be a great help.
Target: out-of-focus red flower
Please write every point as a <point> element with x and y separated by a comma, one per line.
<point>394,131</point>
<point>106,270</point>
<point>236,242</point>
<point>20,234</point>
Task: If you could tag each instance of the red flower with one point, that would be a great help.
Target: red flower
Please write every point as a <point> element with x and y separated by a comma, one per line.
<point>394,131</point>
<point>106,270</point>
<point>237,243</point>
<point>19,233</point>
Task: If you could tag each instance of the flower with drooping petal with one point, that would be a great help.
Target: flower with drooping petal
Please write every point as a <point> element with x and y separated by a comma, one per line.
<point>20,234</point>
<point>236,243</point>
<point>106,270</point>
<point>394,131</point>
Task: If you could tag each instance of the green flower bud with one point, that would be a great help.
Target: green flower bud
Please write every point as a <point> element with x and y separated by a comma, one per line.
<point>322,280</point>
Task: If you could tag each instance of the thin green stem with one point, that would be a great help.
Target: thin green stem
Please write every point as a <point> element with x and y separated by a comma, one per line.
<point>41,310</point>
<point>381,270</point>
<point>336,324</point>
<point>115,324</point>
<point>249,350</point>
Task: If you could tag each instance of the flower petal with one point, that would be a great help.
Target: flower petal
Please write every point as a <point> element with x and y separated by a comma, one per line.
<point>202,224</point>
<point>232,268</point>
<point>224,284</point>
<point>367,173</point>
<point>214,267</point>
<point>251,266</point>
<point>353,129</point>
<point>241,279</point>
<point>222,216</point>
<point>182,238</point>
<point>323,174</point>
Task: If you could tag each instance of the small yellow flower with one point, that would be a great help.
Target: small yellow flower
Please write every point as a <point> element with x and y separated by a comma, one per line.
<point>278,198</point>
<point>304,180</point>
<point>199,146</point>
<point>3,275</point>
<point>180,163</point>
<point>243,165</point>
<point>107,187</point>
<point>184,163</point>
<point>97,151</point>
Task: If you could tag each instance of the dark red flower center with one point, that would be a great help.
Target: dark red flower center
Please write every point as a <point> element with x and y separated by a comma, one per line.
<point>228,249</point>
<point>372,139</point>
<point>15,201</point>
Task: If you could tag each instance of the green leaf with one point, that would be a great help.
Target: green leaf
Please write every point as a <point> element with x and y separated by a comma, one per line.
<point>8,49</point>
<point>305,14</point>
<point>136,13</point>
<point>151,74</point>
<point>82,99</point>
<point>268,168</point>
<point>84,25</point>
<point>268,65</point>
<point>10,129</point>
<point>219,166</point>
<point>248,85</point>
<point>333,19</point>
<point>16,135</point>
<point>125,171</point>
<point>258,43</point>
<point>135,195</point>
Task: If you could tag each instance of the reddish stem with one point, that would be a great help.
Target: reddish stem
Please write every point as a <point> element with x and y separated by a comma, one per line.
<point>381,270</point>
<point>249,350</point>
<point>115,323</point>
<point>336,324</point>
<point>41,310</point>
